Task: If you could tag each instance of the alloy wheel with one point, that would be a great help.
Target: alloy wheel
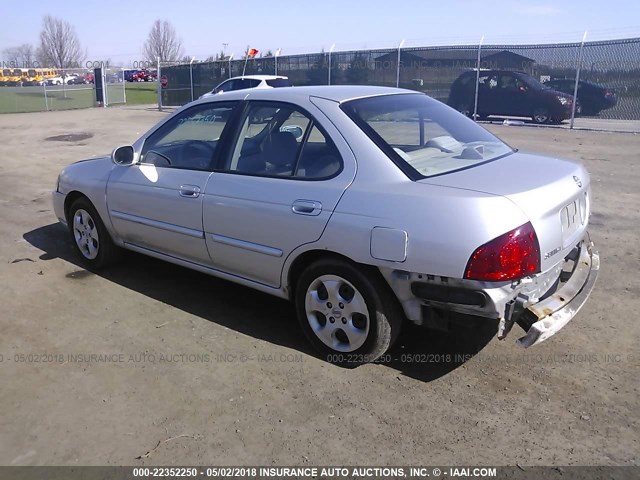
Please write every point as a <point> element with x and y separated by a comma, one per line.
<point>337,313</point>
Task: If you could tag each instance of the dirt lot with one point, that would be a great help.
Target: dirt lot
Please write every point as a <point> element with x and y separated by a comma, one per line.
<point>225,374</point>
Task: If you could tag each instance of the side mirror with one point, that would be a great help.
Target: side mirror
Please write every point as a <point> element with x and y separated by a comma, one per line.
<point>123,155</point>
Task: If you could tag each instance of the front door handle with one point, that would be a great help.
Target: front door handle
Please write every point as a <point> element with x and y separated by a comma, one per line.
<point>189,191</point>
<point>306,207</point>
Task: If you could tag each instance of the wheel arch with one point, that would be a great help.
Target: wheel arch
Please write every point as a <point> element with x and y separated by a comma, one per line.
<point>304,259</point>
<point>70,198</point>
<point>73,196</point>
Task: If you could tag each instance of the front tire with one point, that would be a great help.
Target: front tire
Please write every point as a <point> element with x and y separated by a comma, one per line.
<point>349,315</point>
<point>90,236</point>
<point>466,110</point>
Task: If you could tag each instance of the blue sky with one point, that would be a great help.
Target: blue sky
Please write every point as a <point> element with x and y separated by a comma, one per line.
<point>116,29</point>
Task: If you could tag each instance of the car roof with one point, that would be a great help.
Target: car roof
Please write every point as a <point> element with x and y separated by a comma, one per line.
<point>336,93</point>
<point>573,81</point>
<point>491,71</point>
<point>258,77</point>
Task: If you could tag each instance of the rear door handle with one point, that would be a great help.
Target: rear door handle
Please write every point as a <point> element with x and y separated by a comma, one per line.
<point>306,207</point>
<point>189,191</point>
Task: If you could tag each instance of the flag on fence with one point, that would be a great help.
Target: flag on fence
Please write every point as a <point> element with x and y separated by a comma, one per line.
<point>252,52</point>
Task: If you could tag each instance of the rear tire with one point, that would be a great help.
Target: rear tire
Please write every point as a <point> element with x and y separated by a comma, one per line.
<point>349,315</point>
<point>90,237</point>
<point>541,115</point>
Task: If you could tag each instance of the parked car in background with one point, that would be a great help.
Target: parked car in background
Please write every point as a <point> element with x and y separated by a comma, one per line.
<point>89,77</point>
<point>249,81</point>
<point>57,80</point>
<point>66,78</point>
<point>509,94</point>
<point>364,206</point>
<point>77,80</point>
<point>139,76</point>
<point>592,98</point>
<point>129,75</point>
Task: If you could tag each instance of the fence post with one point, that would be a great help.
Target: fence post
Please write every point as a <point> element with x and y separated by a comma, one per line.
<point>398,66</point>
<point>330,50</point>
<point>575,87</point>
<point>276,60</point>
<point>159,86</point>
<point>230,57</point>
<point>191,75</point>
<point>46,102</point>
<point>475,99</point>
<point>105,100</point>
<point>124,87</point>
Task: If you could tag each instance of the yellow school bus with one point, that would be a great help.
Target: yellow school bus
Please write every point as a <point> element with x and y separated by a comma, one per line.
<point>5,74</point>
<point>15,79</point>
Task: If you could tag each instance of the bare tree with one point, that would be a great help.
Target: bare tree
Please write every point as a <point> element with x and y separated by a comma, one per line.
<point>162,43</point>
<point>21,56</point>
<point>59,44</point>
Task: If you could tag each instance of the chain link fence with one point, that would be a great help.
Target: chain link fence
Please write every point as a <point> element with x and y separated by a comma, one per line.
<point>35,90</point>
<point>610,69</point>
<point>25,90</point>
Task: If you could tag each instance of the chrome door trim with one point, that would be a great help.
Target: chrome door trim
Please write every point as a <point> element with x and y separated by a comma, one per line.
<point>157,224</point>
<point>254,247</point>
<point>278,292</point>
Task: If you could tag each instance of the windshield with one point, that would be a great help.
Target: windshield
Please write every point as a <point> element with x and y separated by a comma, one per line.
<point>423,136</point>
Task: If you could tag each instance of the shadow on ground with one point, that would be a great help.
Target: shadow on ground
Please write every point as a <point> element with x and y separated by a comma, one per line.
<point>419,353</point>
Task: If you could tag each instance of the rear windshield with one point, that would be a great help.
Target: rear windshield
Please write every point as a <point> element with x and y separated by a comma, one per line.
<point>423,136</point>
<point>279,82</point>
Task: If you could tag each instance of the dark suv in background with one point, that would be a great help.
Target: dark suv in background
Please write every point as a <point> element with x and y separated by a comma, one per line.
<point>507,93</point>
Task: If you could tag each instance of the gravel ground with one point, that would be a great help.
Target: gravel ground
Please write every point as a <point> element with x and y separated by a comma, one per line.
<point>189,369</point>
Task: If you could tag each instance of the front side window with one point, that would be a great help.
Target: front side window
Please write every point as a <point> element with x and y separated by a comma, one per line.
<point>281,141</point>
<point>422,136</point>
<point>190,140</point>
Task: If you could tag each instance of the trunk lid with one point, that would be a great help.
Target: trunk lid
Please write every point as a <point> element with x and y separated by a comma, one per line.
<point>553,193</point>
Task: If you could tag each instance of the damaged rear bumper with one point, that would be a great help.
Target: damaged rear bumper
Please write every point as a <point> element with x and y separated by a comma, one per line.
<point>545,318</point>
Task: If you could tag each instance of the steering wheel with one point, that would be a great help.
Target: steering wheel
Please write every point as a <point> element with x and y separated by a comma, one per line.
<point>197,153</point>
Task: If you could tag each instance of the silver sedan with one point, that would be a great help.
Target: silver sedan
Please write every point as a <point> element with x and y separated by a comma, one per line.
<point>365,206</point>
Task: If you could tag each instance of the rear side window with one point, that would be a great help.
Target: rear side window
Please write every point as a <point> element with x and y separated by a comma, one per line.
<point>488,81</point>
<point>278,140</point>
<point>279,82</point>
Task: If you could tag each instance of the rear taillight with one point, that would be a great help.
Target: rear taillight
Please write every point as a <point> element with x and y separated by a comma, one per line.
<point>511,256</point>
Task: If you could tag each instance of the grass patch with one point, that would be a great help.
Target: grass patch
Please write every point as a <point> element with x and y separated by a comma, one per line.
<point>142,93</point>
<point>32,99</point>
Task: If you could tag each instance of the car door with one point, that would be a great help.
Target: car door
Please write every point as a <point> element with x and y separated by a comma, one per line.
<point>487,87</point>
<point>156,203</point>
<point>515,98</point>
<point>279,184</point>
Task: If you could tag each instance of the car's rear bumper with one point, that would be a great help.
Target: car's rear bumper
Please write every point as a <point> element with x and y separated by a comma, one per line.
<point>541,304</point>
<point>548,316</point>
